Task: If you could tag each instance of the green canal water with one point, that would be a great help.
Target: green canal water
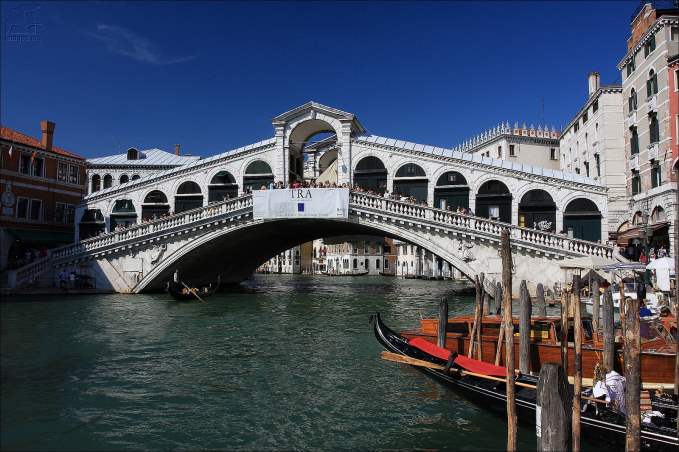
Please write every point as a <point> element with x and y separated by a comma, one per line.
<point>290,362</point>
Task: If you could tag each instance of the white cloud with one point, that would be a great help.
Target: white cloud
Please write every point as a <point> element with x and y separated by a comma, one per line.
<point>122,41</point>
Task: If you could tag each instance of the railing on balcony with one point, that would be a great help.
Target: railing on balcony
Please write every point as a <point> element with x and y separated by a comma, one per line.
<point>652,103</point>
<point>634,162</point>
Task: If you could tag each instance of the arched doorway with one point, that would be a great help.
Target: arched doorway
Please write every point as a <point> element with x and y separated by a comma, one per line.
<point>96,183</point>
<point>371,174</point>
<point>257,174</point>
<point>659,240</point>
<point>188,197</point>
<point>123,213</point>
<point>222,186</point>
<point>108,181</point>
<point>306,139</point>
<point>494,201</point>
<point>91,224</point>
<point>155,205</point>
<point>451,191</point>
<point>411,180</point>
<point>582,219</point>
<point>537,210</point>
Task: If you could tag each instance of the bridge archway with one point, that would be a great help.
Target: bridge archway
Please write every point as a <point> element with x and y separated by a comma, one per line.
<point>451,191</point>
<point>494,201</point>
<point>371,174</point>
<point>222,186</point>
<point>91,224</point>
<point>188,196</point>
<point>583,218</point>
<point>309,132</point>
<point>537,206</point>
<point>155,205</point>
<point>411,180</point>
<point>123,213</point>
<point>257,174</point>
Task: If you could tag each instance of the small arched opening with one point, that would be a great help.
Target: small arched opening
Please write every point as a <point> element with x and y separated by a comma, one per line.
<point>582,220</point>
<point>494,201</point>
<point>537,210</point>
<point>124,179</point>
<point>306,139</point>
<point>155,205</point>
<point>258,174</point>
<point>451,191</point>
<point>91,224</point>
<point>123,214</point>
<point>108,181</point>
<point>95,184</point>
<point>371,174</point>
<point>188,197</point>
<point>136,177</point>
<point>222,187</point>
<point>411,180</point>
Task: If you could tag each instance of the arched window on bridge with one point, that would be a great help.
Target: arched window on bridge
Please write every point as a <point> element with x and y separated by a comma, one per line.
<point>108,181</point>
<point>124,179</point>
<point>136,176</point>
<point>155,205</point>
<point>371,174</point>
<point>257,173</point>
<point>96,183</point>
<point>188,197</point>
<point>411,180</point>
<point>494,201</point>
<point>537,210</point>
<point>222,186</point>
<point>582,219</point>
<point>451,191</point>
<point>91,224</point>
<point>123,213</point>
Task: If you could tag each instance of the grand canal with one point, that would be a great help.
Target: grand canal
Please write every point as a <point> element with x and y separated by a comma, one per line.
<point>289,362</point>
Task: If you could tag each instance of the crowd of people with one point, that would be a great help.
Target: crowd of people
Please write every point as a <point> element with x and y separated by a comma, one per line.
<point>636,252</point>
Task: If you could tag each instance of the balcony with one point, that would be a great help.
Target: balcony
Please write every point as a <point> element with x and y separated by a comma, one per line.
<point>652,103</point>
<point>631,120</point>
<point>634,162</point>
<point>653,151</point>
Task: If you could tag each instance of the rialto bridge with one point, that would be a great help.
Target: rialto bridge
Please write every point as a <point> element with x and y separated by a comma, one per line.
<point>198,217</point>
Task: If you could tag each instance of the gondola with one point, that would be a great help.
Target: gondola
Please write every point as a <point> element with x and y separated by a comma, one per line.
<point>598,422</point>
<point>178,291</point>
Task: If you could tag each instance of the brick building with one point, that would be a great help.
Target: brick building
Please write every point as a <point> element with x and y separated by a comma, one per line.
<point>40,185</point>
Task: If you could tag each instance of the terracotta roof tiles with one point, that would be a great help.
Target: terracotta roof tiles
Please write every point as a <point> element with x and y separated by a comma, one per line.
<point>17,137</point>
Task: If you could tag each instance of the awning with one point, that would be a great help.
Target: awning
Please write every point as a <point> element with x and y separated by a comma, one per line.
<point>36,236</point>
<point>638,233</point>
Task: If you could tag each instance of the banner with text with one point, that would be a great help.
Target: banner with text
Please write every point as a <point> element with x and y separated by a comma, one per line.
<point>301,203</point>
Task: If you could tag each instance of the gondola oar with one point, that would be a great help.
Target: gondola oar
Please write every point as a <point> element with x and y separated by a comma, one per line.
<point>192,292</point>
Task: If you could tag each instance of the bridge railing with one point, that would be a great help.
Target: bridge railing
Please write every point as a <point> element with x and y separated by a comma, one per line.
<point>483,225</point>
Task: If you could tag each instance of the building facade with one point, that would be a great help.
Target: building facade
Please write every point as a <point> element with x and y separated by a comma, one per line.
<point>360,255</point>
<point>647,87</point>
<point>592,144</point>
<point>41,184</point>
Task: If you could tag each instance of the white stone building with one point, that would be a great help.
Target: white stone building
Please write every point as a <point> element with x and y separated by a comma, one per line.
<point>415,261</point>
<point>592,144</point>
<point>287,262</point>
<point>354,255</point>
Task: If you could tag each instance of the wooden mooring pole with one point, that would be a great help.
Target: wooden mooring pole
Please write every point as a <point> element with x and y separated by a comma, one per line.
<point>443,323</point>
<point>475,339</point>
<point>609,331</point>
<point>577,374</point>
<point>632,374</point>
<point>596,298</point>
<point>498,298</point>
<point>524,329</point>
<point>540,296</point>
<point>563,336</point>
<point>552,414</point>
<point>506,253</point>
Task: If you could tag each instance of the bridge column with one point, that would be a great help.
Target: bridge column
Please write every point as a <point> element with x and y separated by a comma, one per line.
<point>344,154</point>
<point>282,154</point>
<point>559,220</point>
<point>472,202</point>
<point>515,211</point>
<point>430,193</point>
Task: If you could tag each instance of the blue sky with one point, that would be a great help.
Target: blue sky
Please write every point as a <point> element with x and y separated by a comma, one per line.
<point>212,75</point>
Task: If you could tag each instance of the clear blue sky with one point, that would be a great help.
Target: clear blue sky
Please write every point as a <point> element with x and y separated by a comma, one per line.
<point>211,75</point>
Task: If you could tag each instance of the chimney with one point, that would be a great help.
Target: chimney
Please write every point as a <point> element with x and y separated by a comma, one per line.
<point>177,149</point>
<point>593,82</point>
<point>47,128</point>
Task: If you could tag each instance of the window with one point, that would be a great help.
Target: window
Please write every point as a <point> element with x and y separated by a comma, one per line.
<point>36,209</point>
<point>512,150</point>
<point>25,164</point>
<point>577,170</point>
<point>22,208</point>
<point>652,84</point>
<point>595,106</point>
<point>499,152</point>
<point>355,264</point>
<point>656,174</point>
<point>636,182</point>
<point>377,264</point>
<point>674,33</point>
<point>62,172</point>
<point>597,160</point>
<point>587,168</point>
<point>37,167</point>
<point>576,127</point>
<point>73,174</point>
<point>552,153</point>
<point>386,264</point>
<point>632,101</point>
<point>649,47</point>
<point>654,130</point>
<point>584,118</point>
<point>634,141</point>
<point>64,213</point>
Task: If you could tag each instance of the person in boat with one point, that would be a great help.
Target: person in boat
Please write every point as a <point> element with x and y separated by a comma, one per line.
<point>609,386</point>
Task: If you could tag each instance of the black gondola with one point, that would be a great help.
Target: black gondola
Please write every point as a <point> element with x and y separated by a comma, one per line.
<point>598,423</point>
<point>182,292</point>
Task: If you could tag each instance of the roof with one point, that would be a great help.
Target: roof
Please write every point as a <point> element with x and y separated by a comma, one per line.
<point>17,137</point>
<point>149,157</point>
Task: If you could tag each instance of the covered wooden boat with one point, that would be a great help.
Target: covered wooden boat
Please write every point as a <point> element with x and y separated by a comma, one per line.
<point>599,423</point>
<point>657,354</point>
<point>184,292</point>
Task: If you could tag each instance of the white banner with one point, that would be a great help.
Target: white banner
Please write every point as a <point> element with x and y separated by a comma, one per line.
<point>301,203</point>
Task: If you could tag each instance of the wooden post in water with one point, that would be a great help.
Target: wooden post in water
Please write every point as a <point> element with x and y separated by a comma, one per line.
<point>632,374</point>
<point>542,305</point>
<point>506,253</point>
<point>524,330</point>
<point>498,298</point>
<point>479,317</point>
<point>552,416</point>
<point>563,336</point>
<point>577,374</point>
<point>498,310</point>
<point>477,298</point>
<point>621,289</point>
<point>609,330</point>
<point>596,297</point>
<point>443,323</point>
